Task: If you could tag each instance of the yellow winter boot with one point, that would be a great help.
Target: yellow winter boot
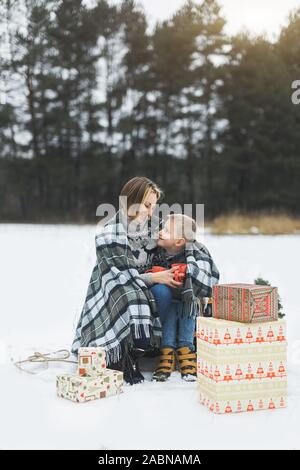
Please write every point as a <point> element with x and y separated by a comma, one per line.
<point>166,365</point>
<point>187,361</point>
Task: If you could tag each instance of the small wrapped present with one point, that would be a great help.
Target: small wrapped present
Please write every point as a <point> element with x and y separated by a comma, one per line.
<point>82,389</point>
<point>91,361</point>
<point>245,303</point>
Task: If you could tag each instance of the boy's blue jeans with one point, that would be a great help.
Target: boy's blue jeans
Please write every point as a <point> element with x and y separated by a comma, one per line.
<point>178,330</point>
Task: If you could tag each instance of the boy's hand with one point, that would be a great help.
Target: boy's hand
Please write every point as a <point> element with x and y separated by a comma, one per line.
<point>166,277</point>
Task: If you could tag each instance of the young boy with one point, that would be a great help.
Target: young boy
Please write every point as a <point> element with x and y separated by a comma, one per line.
<point>178,302</point>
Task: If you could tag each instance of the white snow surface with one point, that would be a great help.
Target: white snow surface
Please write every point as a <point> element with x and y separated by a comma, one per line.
<point>44,273</point>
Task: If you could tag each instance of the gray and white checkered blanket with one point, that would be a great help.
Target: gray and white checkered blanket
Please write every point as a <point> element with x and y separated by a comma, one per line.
<point>118,307</point>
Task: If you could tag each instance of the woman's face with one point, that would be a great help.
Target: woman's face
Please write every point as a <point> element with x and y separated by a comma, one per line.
<point>146,208</point>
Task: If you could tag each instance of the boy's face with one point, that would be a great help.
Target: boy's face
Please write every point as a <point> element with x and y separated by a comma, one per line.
<point>167,237</point>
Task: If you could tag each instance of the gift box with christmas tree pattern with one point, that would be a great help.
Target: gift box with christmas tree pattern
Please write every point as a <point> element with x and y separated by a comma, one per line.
<point>229,333</point>
<point>229,397</point>
<point>234,359</point>
<point>242,363</point>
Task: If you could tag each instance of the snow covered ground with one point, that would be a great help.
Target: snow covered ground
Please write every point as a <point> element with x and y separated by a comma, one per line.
<point>44,272</point>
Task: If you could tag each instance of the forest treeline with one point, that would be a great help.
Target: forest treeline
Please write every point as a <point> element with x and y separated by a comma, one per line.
<point>93,95</point>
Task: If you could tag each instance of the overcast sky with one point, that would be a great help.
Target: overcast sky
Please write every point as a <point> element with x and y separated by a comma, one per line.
<point>257,16</point>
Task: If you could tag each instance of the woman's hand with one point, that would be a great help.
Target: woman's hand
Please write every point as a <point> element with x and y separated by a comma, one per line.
<point>166,277</point>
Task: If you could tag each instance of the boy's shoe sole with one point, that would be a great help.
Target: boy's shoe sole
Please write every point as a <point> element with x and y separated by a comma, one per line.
<point>160,378</point>
<point>189,378</point>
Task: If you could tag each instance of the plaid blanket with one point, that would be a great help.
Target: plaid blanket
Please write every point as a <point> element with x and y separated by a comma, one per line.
<point>118,306</point>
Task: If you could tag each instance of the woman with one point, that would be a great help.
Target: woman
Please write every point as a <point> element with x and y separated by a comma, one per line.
<point>120,312</point>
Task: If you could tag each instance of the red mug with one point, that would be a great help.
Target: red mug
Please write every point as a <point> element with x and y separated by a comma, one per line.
<point>156,269</point>
<point>178,275</point>
<point>180,272</point>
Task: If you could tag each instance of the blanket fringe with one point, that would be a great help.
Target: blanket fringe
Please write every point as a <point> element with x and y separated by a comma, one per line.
<point>114,354</point>
<point>141,331</point>
<point>191,308</point>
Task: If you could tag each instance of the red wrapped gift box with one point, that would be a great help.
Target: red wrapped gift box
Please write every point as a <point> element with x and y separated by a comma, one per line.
<point>245,303</point>
<point>179,274</point>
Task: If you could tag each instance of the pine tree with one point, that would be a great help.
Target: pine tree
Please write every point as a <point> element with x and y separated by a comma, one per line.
<point>133,86</point>
<point>254,104</point>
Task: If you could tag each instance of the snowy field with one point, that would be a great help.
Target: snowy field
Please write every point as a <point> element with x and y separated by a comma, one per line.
<point>44,272</point>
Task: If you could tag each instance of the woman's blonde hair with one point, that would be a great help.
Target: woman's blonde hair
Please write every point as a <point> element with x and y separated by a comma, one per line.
<point>137,189</point>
